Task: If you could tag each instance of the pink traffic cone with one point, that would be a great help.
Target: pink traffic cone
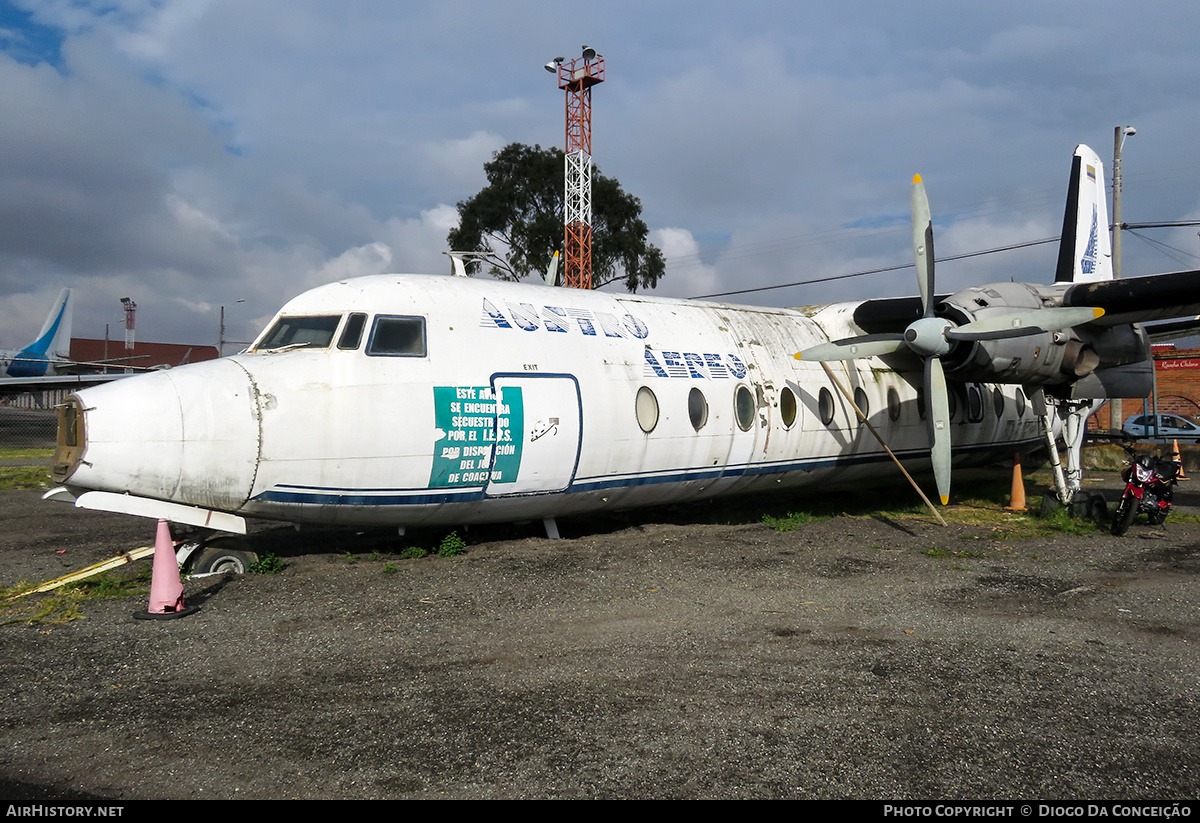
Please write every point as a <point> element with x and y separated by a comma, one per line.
<point>166,590</point>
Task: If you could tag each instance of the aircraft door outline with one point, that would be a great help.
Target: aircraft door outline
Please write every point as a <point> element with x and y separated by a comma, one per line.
<point>538,433</point>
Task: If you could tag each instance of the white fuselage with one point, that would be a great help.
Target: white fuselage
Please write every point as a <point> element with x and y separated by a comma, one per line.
<point>519,401</point>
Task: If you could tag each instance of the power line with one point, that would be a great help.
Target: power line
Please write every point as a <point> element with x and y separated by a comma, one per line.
<point>946,259</point>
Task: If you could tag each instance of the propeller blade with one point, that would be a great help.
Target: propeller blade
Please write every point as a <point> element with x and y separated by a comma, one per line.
<point>922,232</point>
<point>969,336</point>
<point>1023,323</point>
<point>938,421</point>
<point>849,348</point>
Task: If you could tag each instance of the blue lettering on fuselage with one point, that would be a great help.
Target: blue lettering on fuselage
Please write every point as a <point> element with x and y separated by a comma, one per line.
<point>697,366</point>
<point>589,323</point>
<point>531,318</point>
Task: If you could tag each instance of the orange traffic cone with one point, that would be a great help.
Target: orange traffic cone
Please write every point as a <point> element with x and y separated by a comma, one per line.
<point>1175,450</point>
<point>166,590</point>
<point>1017,496</point>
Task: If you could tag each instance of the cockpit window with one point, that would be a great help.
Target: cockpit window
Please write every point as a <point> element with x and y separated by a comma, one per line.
<point>311,332</point>
<point>397,337</point>
<point>352,331</point>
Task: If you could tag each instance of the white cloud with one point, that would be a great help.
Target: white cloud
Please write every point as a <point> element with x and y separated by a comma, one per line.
<point>195,152</point>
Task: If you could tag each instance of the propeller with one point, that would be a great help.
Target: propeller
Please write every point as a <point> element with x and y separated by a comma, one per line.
<point>931,337</point>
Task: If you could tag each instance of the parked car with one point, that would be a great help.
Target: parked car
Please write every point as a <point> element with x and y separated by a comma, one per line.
<point>1170,427</point>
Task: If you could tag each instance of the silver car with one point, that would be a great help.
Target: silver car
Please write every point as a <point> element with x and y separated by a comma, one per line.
<point>1170,427</point>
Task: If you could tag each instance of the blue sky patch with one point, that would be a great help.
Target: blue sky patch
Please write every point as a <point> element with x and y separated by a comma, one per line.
<point>27,41</point>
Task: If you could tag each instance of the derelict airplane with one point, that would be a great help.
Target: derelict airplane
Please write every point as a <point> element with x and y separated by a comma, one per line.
<point>41,356</point>
<point>45,362</point>
<point>405,400</point>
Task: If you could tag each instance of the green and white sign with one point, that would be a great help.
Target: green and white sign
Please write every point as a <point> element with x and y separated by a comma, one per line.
<point>479,440</point>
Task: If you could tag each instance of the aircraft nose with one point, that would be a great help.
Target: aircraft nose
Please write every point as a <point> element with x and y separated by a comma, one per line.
<point>188,435</point>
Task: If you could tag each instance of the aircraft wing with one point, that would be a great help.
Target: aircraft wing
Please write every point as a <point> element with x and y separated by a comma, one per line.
<point>17,385</point>
<point>1164,332</point>
<point>1130,300</point>
<point>1139,299</point>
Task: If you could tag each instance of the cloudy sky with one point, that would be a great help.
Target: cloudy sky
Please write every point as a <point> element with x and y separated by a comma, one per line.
<point>197,153</point>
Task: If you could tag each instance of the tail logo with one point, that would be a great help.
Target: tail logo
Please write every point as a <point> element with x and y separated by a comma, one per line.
<point>1087,264</point>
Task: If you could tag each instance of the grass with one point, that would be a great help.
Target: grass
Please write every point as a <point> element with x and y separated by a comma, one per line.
<point>792,520</point>
<point>66,604</point>
<point>427,544</point>
<point>977,503</point>
<point>24,477</point>
<point>23,454</point>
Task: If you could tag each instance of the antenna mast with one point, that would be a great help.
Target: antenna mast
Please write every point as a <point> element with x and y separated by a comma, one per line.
<point>577,78</point>
<point>130,310</point>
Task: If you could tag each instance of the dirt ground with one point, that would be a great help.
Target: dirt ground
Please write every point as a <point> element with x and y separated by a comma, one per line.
<point>661,657</point>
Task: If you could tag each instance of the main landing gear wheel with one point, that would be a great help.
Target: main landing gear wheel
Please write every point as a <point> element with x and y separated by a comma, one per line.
<point>224,554</point>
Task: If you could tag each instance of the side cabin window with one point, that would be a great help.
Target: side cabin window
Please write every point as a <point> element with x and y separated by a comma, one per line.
<point>300,332</point>
<point>352,331</point>
<point>394,336</point>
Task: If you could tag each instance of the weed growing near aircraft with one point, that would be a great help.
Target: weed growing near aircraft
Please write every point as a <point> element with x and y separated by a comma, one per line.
<point>267,564</point>
<point>452,546</point>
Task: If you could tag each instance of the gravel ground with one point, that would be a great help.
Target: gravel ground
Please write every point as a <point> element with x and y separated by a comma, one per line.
<point>856,657</point>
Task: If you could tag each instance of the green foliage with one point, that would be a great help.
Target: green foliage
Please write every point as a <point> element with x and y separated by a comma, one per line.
<point>390,568</point>
<point>452,546</point>
<point>267,564</point>
<point>24,477</point>
<point>518,219</point>
<point>413,552</point>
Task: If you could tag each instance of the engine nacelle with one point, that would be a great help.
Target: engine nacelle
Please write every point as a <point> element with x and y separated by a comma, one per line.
<point>1058,358</point>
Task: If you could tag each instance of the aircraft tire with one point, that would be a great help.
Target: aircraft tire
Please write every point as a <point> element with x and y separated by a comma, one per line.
<point>224,554</point>
<point>1097,508</point>
<point>1126,511</point>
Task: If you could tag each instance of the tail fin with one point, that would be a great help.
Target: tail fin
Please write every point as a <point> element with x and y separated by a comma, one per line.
<point>551,276</point>
<point>52,343</point>
<point>1085,250</point>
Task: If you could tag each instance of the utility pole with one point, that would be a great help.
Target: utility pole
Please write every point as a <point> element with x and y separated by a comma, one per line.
<point>1119,135</point>
<point>576,78</point>
<point>1115,415</point>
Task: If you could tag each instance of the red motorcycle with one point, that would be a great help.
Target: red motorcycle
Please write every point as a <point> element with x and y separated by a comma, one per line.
<point>1149,488</point>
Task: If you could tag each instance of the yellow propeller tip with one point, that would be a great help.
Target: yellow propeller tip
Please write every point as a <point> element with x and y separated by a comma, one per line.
<point>798,357</point>
<point>1098,312</point>
<point>946,500</point>
<point>916,179</point>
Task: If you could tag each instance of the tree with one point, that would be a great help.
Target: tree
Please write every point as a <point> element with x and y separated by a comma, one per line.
<point>517,218</point>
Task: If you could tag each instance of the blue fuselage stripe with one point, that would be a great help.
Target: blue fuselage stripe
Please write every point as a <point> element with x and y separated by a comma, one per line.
<point>332,496</point>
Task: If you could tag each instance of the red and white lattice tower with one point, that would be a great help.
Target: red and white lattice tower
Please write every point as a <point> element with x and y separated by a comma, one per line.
<point>130,310</point>
<point>577,78</point>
